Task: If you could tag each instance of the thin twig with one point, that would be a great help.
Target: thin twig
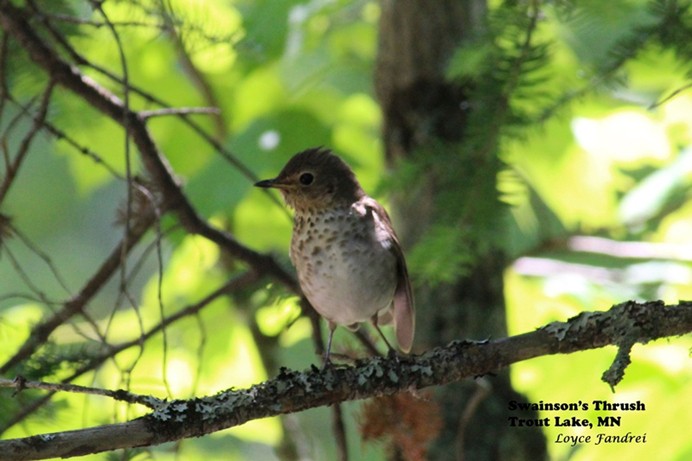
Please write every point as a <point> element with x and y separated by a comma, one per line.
<point>339,430</point>
<point>197,78</point>
<point>483,389</point>
<point>19,384</point>
<point>226,154</point>
<point>166,111</point>
<point>676,92</point>
<point>237,283</point>
<point>42,256</point>
<point>40,333</point>
<point>62,136</point>
<point>23,148</point>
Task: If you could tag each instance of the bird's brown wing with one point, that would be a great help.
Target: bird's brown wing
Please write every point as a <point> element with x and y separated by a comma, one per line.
<point>403,306</point>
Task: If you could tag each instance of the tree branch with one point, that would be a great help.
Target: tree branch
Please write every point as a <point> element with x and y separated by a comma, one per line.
<point>112,350</point>
<point>292,391</point>
<point>19,384</point>
<point>14,21</point>
<point>145,114</point>
<point>39,333</point>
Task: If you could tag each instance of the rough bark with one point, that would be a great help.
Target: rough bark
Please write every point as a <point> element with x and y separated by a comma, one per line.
<point>291,391</point>
<point>422,111</point>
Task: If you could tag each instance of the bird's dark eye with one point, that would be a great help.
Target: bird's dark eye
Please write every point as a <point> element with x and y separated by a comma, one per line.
<point>306,179</point>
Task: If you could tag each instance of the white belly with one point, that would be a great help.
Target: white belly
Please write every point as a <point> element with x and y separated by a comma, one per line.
<point>346,283</point>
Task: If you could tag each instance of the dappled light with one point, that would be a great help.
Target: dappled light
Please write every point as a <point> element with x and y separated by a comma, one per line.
<point>535,159</point>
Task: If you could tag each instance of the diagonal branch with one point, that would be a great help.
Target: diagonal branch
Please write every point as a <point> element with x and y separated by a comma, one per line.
<point>40,333</point>
<point>14,21</point>
<point>23,150</point>
<point>112,350</point>
<point>293,391</point>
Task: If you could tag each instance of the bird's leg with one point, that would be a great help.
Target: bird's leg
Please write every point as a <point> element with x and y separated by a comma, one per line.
<point>327,352</point>
<point>392,351</point>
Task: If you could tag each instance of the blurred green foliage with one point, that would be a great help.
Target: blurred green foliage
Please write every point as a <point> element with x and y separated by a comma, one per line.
<point>591,148</point>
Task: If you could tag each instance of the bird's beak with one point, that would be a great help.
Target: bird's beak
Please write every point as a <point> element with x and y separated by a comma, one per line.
<point>276,183</point>
<point>266,183</point>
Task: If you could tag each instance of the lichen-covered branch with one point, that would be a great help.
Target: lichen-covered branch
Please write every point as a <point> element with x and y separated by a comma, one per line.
<point>293,391</point>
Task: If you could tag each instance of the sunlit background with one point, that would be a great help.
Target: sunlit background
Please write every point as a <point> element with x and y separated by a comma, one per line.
<point>599,188</point>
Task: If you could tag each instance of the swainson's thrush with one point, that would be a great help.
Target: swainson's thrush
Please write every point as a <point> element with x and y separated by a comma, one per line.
<point>348,258</point>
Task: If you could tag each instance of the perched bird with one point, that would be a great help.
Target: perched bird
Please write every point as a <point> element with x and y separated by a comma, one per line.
<point>348,258</point>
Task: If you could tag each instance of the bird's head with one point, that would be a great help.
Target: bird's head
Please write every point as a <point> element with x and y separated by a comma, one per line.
<point>314,180</point>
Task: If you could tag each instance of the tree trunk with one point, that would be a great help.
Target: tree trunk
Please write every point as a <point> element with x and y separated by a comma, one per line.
<point>425,114</point>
